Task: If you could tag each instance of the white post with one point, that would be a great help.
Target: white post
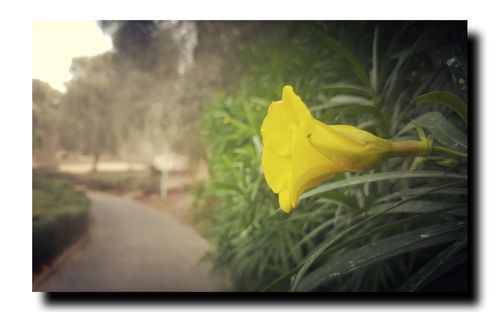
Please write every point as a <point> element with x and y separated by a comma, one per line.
<point>164,183</point>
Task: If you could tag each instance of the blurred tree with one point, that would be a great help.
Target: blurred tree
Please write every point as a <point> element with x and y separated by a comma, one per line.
<point>145,96</point>
<point>170,68</point>
<point>46,116</point>
<point>89,108</point>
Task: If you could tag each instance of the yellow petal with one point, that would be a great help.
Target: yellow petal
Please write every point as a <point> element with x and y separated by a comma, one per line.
<point>276,168</point>
<point>285,200</point>
<point>274,129</point>
<point>274,122</point>
<point>294,108</point>
<point>352,149</point>
<point>356,135</point>
<point>309,167</point>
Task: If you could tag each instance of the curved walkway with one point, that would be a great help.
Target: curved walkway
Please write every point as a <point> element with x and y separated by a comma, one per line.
<point>131,247</point>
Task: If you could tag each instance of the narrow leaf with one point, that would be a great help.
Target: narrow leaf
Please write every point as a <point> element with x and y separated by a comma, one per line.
<point>342,100</point>
<point>381,250</point>
<point>443,131</point>
<point>391,175</point>
<point>418,206</point>
<point>347,89</point>
<point>441,263</point>
<point>374,71</point>
<point>356,66</point>
<point>328,251</point>
<point>319,251</point>
<point>420,190</point>
<point>445,98</point>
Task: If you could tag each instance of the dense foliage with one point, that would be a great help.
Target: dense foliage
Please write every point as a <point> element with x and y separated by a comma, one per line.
<point>60,215</point>
<point>401,225</point>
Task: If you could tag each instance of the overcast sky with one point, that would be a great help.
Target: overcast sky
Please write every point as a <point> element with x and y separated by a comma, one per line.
<point>55,43</point>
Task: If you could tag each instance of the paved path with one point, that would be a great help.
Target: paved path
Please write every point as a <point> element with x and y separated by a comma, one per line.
<point>134,248</point>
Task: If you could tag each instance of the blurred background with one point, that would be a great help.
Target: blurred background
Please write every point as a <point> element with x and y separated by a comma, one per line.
<point>165,116</point>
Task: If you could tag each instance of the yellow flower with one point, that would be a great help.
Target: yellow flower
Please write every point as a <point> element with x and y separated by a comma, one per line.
<point>300,152</point>
<point>227,119</point>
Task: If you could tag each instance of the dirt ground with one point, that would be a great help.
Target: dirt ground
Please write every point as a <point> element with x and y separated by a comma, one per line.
<point>177,204</point>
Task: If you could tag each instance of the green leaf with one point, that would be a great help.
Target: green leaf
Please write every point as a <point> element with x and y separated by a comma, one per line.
<point>391,175</point>
<point>320,250</point>
<point>374,71</point>
<point>356,66</point>
<point>381,250</point>
<point>445,98</point>
<point>386,227</point>
<point>343,100</point>
<point>227,186</point>
<point>445,161</point>
<point>443,131</point>
<point>420,190</point>
<point>439,265</point>
<point>347,88</point>
<point>418,206</point>
<point>393,85</point>
<point>359,110</point>
<point>313,233</point>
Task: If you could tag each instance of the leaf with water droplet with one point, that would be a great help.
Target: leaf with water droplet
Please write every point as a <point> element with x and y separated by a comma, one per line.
<point>381,250</point>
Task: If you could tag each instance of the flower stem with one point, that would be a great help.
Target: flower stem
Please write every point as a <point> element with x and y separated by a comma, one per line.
<point>420,148</point>
<point>408,149</point>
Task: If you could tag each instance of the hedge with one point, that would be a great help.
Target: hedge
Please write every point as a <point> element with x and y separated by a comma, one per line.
<point>60,216</point>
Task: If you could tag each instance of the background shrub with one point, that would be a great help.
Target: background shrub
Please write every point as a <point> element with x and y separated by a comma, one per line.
<point>60,215</point>
<point>144,181</point>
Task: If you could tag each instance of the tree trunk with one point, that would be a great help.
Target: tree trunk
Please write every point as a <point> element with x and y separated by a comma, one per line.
<point>95,161</point>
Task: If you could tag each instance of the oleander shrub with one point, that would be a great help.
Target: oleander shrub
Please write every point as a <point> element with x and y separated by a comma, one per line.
<point>399,226</point>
